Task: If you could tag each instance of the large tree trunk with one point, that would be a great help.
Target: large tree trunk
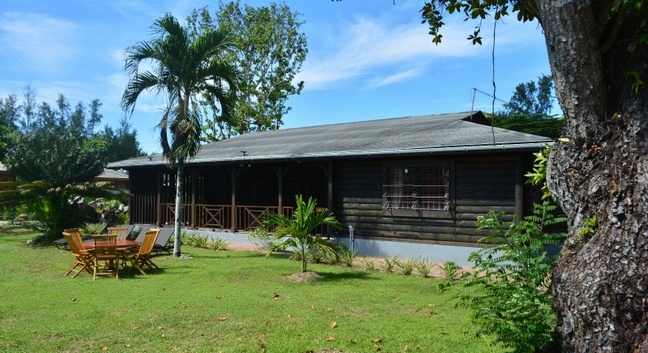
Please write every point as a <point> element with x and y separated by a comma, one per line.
<point>601,280</point>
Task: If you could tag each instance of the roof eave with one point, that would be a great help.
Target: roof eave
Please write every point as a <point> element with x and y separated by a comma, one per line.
<point>444,150</point>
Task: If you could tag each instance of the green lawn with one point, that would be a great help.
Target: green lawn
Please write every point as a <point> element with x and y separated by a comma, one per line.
<point>222,301</point>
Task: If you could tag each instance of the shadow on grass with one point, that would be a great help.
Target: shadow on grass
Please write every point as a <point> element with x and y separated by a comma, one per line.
<point>222,254</point>
<point>340,276</point>
<point>127,274</point>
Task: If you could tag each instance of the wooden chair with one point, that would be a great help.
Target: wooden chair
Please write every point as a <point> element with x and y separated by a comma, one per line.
<point>121,232</point>
<point>82,257</point>
<point>142,257</point>
<point>75,233</point>
<point>106,259</point>
<point>62,243</point>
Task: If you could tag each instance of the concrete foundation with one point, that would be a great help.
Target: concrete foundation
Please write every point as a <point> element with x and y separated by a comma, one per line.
<point>377,248</point>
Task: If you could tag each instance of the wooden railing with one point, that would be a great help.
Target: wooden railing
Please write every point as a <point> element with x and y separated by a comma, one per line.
<point>220,216</point>
<point>168,214</point>
<point>213,216</point>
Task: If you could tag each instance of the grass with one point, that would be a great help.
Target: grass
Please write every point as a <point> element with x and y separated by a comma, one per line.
<point>222,301</point>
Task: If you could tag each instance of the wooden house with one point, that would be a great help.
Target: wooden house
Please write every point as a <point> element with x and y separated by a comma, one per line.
<point>118,178</point>
<point>420,179</point>
<point>5,175</point>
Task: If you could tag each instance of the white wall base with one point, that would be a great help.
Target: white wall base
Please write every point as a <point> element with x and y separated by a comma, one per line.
<point>377,248</point>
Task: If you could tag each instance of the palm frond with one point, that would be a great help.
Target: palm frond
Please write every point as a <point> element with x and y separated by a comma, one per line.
<point>138,84</point>
<point>137,53</point>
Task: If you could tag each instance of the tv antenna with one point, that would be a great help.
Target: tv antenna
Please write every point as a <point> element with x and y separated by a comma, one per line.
<point>472,108</point>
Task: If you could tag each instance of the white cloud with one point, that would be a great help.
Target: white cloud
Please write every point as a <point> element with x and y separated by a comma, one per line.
<point>395,78</point>
<point>370,45</point>
<point>384,51</point>
<point>42,43</point>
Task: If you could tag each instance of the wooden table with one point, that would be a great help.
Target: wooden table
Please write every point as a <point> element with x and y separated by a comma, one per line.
<point>122,245</point>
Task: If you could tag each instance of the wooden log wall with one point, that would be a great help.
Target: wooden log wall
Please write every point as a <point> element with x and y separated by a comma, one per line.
<point>144,188</point>
<point>480,183</point>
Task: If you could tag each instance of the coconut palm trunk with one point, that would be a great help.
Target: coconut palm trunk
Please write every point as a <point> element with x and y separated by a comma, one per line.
<point>179,200</point>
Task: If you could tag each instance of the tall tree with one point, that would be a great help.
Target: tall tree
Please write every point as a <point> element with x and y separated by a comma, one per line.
<point>122,143</point>
<point>82,121</point>
<point>531,99</point>
<point>529,110</point>
<point>270,50</point>
<point>95,117</point>
<point>9,113</point>
<point>28,109</point>
<point>183,68</point>
<point>54,162</point>
<point>598,54</point>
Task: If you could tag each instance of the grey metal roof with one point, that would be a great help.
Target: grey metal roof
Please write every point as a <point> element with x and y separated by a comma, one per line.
<point>110,174</point>
<point>415,135</point>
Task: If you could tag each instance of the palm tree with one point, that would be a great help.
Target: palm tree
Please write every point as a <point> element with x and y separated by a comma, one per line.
<point>185,69</point>
<point>296,232</point>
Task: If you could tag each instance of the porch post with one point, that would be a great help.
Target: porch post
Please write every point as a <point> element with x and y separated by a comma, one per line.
<point>279,172</point>
<point>158,198</point>
<point>193,198</point>
<point>233,203</point>
<point>519,187</point>
<point>329,201</point>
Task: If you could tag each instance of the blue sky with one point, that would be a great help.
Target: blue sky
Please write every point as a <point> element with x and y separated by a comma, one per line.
<point>367,59</point>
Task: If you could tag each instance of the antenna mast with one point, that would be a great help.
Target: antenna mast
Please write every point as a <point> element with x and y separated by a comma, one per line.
<point>472,109</point>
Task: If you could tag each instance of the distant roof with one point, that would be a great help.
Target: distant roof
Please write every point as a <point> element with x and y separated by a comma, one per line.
<point>415,135</point>
<point>107,174</point>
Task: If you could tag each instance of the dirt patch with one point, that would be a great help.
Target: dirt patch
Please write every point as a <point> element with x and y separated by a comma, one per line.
<point>245,246</point>
<point>304,277</point>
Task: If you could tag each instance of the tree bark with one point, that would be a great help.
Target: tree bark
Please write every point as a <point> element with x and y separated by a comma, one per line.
<point>600,283</point>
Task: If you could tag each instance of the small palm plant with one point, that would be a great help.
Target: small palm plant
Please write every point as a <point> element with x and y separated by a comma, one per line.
<point>297,232</point>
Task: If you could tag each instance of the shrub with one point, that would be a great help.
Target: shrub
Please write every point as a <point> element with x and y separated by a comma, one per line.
<point>218,244</point>
<point>450,270</point>
<point>316,256</point>
<point>407,267</point>
<point>297,232</point>
<point>187,239</point>
<point>391,264</point>
<point>423,267</point>
<point>512,297</point>
<point>200,241</point>
<point>93,228</point>
<point>331,257</point>
<point>346,255</point>
<point>369,263</point>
